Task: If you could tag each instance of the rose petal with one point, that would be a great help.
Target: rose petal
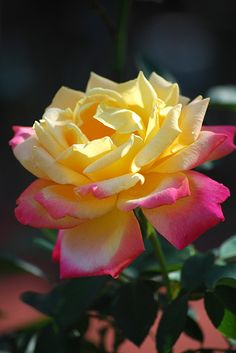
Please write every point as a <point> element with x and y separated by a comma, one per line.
<point>101,82</point>
<point>157,190</point>
<point>192,155</point>
<point>66,98</point>
<point>122,120</point>
<point>139,95</point>
<point>163,138</point>
<point>117,162</point>
<point>79,156</point>
<point>24,153</point>
<point>227,146</point>
<point>111,186</point>
<point>55,171</point>
<point>21,133</point>
<point>184,221</point>
<point>167,91</point>
<point>191,119</point>
<point>30,212</point>
<point>101,246</point>
<point>61,201</point>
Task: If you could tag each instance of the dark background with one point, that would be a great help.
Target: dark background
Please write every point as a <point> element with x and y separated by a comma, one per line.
<point>47,44</point>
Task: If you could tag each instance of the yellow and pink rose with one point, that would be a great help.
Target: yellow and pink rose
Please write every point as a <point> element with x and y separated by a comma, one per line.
<point>99,155</point>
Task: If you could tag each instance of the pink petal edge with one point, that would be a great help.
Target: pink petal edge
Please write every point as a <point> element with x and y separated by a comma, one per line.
<point>184,221</point>
<point>228,145</point>
<point>21,133</point>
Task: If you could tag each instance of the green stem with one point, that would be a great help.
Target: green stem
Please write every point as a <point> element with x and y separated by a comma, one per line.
<point>121,38</point>
<point>162,262</point>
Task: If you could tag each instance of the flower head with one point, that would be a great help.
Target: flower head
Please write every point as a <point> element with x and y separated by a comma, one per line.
<point>99,155</point>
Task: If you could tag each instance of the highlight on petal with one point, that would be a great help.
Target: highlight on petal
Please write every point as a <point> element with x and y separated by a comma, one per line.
<point>21,133</point>
<point>30,212</point>
<point>24,153</point>
<point>79,156</point>
<point>227,146</point>
<point>122,120</point>
<point>62,200</point>
<point>101,82</point>
<point>157,190</point>
<point>56,171</point>
<point>191,119</point>
<point>66,98</point>
<point>105,188</point>
<point>167,91</point>
<point>101,246</point>
<point>184,221</point>
<point>192,155</point>
<point>116,162</point>
<point>139,95</point>
<point>163,138</point>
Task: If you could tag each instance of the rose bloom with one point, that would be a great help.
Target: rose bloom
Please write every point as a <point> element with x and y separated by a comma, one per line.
<point>101,154</point>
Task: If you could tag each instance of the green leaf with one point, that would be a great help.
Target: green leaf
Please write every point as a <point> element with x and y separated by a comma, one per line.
<point>135,310</point>
<point>222,318</point>
<point>193,330</point>
<point>221,275</point>
<point>172,324</point>
<point>195,269</point>
<point>68,301</point>
<point>227,250</point>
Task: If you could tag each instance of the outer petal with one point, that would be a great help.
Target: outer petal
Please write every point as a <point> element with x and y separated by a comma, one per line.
<point>192,155</point>
<point>99,81</point>
<point>167,91</point>
<point>108,187</point>
<point>66,98</point>
<point>191,216</point>
<point>24,153</point>
<point>56,171</point>
<point>101,246</point>
<point>30,212</point>
<point>61,201</point>
<point>157,190</point>
<point>22,133</point>
<point>228,146</point>
<point>191,119</point>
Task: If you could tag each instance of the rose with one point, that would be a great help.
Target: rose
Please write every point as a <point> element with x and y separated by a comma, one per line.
<point>99,155</point>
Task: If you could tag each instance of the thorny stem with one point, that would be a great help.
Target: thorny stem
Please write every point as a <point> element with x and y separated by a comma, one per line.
<point>162,262</point>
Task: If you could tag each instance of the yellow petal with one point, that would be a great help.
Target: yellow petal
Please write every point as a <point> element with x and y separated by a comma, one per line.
<point>163,139</point>
<point>139,95</point>
<point>108,187</point>
<point>55,171</point>
<point>47,140</point>
<point>24,153</point>
<point>191,120</point>
<point>167,91</point>
<point>79,156</point>
<point>66,98</point>
<point>117,162</point>
<point>191,156</point>
<point>99,81</point>
<point>122,120</point>
<point>61,201</point>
